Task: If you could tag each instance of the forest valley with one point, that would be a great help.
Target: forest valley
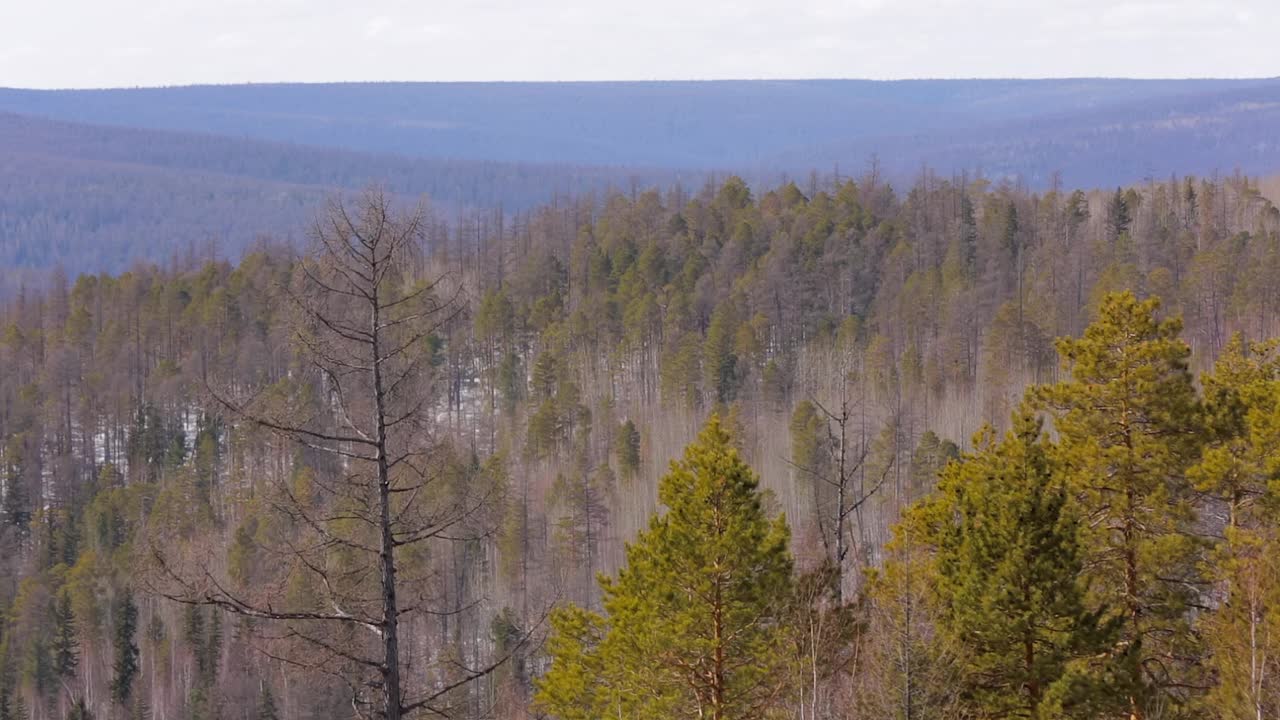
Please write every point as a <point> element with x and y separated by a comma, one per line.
<point>840,451</point>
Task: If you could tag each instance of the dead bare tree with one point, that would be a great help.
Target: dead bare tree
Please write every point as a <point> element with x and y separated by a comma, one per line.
<point>839,478</point>
<point>347,558</point>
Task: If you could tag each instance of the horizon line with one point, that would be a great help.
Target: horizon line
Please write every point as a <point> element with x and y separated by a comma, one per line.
<point>652,81</point>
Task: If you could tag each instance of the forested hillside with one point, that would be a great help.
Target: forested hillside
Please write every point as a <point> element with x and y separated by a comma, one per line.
<point>1097,131</point>
<point>187,491</point>
<point>96,199</point>
<point>94,180</point>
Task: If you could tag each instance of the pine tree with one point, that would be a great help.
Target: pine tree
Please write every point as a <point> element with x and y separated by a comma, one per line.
<point>1009,577</point>
<point>931,455</point>
<point>1242,435</point>
<point>1242,396</point>
<point>1129,426</point>
<point>693,622</point>
<point>126,650</point>
<point>720,363</point>
<point>66,646</point>
<point>626,447</point>
<point>808,439</point>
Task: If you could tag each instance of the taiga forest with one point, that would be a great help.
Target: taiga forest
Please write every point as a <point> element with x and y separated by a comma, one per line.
<point>717,400</point>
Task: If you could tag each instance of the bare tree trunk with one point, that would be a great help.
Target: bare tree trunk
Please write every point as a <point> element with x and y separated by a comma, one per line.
<point>387,558</point>
<point>364,332</point>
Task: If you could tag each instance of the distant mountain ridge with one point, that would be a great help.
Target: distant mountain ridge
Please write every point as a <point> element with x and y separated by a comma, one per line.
<point>93,198</point>
<point>1028,128</point>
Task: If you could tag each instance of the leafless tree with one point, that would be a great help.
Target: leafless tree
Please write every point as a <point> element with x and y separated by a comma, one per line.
<point>840,480</point>
<point>348,551</point>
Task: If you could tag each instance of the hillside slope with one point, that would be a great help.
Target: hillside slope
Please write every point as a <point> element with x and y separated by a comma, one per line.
<point>94,198</point>
<point>1098,131</point>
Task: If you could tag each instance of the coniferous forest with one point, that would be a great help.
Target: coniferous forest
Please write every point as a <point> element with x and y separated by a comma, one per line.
<point>842,448</point>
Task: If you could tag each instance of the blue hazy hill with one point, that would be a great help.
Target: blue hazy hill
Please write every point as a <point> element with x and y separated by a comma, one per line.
<point>1027,127</point>
<point>98,198</point>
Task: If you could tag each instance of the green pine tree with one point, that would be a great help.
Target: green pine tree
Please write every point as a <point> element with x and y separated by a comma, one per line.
<point>1009,565</point>
<point>693,623</point>
<point>720,364</point>
<point>1235,474</point>
<point>626,447</point>
<point>1130,426</point>
<point>931,455</point>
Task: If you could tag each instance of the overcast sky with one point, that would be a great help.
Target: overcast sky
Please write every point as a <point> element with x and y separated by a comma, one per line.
<point>110,43</point>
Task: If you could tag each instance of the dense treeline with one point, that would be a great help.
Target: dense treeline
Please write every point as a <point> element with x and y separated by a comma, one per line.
<point>95,180</point>
<point>1119,567</point>
<point>849,335</point>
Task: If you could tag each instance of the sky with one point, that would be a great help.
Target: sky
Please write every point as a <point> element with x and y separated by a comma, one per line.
<point>126,43</point>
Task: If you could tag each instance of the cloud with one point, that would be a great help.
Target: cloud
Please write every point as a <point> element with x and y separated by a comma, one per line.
<point>187,41</point>
<point>375,26</point>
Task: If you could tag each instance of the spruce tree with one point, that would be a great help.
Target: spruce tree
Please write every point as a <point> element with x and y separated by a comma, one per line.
<point>1118,217</point>
<point>66,646</point>
<point>1130,426</point>
<point>693,623</point>
<point>1009,565</point>
<point>126,650</point>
